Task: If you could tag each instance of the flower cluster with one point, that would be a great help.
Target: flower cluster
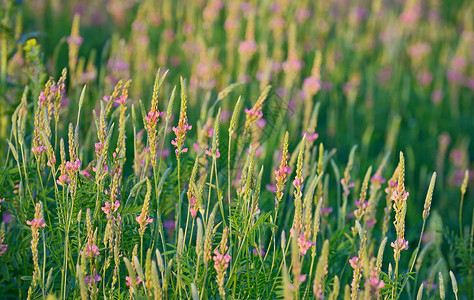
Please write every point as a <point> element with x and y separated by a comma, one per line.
<point>214,150</point>
<point>221,261</point>
<point>151,125</point>
<point>110,208</point>
<point>346,186</point>
<point>399,198</point>
<point>67,171</point>
<point>373,284</point>
<point>298,193</point>
<point>143,219</point>
<point>93,279</point>
<point>129,281</point>
<point>247,49</point>
<point>362,204</point>
<point>91,251</point>
<point>183,126</point>
<point>48,105</point>
<point>255,113</point>
<point>304,244</point>
<point>36,224</point>
<point>281,173</point>
<point>311,85</point>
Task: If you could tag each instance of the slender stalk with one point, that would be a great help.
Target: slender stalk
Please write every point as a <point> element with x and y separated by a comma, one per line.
<point>209,192</point>
<point>229,184</point>
<point>470,255</point>
<point>44,265</point>
<point>158,208</point>
<point>178,211</point>
<point>460,215</point>
<point>394,287</point>
<point>417,250</point>
<point>204,283</point>
<point>219,197</point>
<point>186,228</point>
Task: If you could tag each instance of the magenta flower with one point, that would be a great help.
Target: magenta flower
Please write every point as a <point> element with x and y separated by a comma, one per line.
<point>254,113</point>
<point>91,251</point>
<point>129,280</point>
<point>7,217</point>
<point>153,117</point>
<point>311,137</point>
<point>258,251</point>
<point>261,123</point>
<point>169,225</point>
<point>180,132</point>
<point>3,249</point>
<point>326,210</point>
<point>93,279</point>
<point>122,100</point>
<point>98,148</point>
<point>271,188</point>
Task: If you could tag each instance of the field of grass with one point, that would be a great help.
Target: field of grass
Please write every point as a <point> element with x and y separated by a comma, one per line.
<point>215,149</point>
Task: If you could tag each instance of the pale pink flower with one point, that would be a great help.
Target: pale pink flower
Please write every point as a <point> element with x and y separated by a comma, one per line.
<point>304,244</point>
<point>400,244</point>
<point>247,48</point>
<point>354,262</point>
<point>311,85</point>
<point>129,280</point>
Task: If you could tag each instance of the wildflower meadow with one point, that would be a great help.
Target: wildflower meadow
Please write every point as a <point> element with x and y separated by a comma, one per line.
<point>219,149</point>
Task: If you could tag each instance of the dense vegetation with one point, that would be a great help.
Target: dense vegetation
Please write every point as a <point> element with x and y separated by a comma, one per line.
<point>226,149</point>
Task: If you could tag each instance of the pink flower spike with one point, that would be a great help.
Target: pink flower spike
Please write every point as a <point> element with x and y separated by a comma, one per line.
<point>354,262</point>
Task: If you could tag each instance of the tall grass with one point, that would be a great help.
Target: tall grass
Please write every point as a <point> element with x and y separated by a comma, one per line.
<point>293,162</point>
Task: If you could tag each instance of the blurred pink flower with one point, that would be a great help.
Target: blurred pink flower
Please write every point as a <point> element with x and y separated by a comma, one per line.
<point>247,48</point>
<point>311,85</point>
<point>454,76</point>
<point>302,15</point>
<point>411,15</point>
<point>419,50</point>
<point>437,96</point>
<point>425,78</point>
